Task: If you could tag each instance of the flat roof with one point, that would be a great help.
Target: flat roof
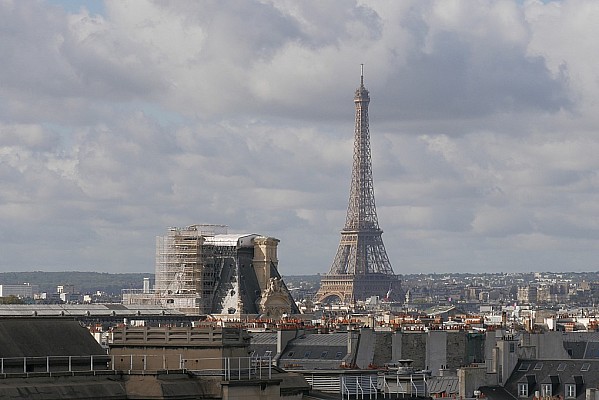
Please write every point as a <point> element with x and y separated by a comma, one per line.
<point>83,310</point>
<point>231,239</point>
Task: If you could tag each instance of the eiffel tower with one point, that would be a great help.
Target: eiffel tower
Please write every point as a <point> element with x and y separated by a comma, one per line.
<point>361,267</point>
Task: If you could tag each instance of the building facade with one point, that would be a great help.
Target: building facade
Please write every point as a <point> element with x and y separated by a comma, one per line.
<point>22,291</point>
<point>202,269</point>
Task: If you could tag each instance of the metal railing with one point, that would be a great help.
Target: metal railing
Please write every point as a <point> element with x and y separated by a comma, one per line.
<point>359,386</point>
<point>228,368</point>
<point>54,364</point>
<point>387,390</point>
<point>407,386</point>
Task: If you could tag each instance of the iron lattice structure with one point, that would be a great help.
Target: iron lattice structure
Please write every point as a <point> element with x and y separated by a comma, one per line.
<point>361,267</point>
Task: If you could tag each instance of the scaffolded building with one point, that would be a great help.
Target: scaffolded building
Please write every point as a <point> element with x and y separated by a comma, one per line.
<point>201,269</point>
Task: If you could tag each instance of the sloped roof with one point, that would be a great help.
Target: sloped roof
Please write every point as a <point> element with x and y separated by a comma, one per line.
<point>438,310</point>
<point>41,337</point>
<point>264,342</point>
<point>558,372</point>
<point>316,351</point>
<point>581,344</point>
<point>443,384</point>
<point>264,337</point>
<point>496,393</point>
<point>322,339</point>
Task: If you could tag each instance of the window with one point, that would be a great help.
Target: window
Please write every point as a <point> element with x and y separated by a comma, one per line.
<point>561,367</point>
<point>307,354</point>
<point>538,366</point>
<point>546,389</point>
<point>523,390</point>
<point>512,347</point>
<point>290,354</point>
<point>267,353</point>
<point>338,355</point>
<point>324,354</point>
<point>585,367</point>
<point>570,391</point>
<point>524,367</point>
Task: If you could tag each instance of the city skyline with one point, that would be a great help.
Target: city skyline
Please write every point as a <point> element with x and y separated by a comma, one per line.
<point>119,119</point>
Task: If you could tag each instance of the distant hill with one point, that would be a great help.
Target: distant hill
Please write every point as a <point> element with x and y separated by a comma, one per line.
<point>84,282</point>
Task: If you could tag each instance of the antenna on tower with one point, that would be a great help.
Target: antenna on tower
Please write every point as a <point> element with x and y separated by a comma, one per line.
<point>362,74</point>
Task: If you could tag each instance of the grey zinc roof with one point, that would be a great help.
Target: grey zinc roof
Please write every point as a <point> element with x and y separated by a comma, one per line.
<point>264,344</point>
<point>78,310</point>
<point>324,339</point>
<point>580,336</point>
<point>436,310</point>
<point>582,344</point>
<point>298,352</point>
<point>592,350</point>
<point>316,351</point>
<point>39,337</point>
<point>496,393</point>
<point>264,338</point>
<point>443,384</point>
<point>568,371</point>
<point>263,350</point>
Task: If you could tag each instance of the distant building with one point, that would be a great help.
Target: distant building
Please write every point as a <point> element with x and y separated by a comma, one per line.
<point>22,291</point>
<point>201,269</point>
<point>527,294</point>
<point>65,289</point>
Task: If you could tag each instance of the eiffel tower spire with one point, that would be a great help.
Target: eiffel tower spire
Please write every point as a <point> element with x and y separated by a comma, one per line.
<point>361,267</point>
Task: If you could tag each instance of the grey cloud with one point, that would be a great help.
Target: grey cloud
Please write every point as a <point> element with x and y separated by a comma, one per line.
<point>458,81</point>
<point>160,114</point>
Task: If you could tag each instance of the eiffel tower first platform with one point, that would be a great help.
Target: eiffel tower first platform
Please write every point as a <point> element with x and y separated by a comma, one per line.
<point>361,268</point>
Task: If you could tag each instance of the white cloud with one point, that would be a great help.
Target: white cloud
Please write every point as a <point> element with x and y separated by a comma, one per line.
<point>118,124</point>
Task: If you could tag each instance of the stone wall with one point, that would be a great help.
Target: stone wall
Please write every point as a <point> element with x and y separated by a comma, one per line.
<point>431,350</point>
<point>413,346</point>
<point>382,348</point>
<point>471,378</point>
<point>457,355</point>
<point>437,349</point>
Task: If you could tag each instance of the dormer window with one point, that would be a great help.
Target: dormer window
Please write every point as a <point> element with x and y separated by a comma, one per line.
<point>538,366</point>
<point>585,367</point>
<point>524,366</point>
<point>570,391</point>
<point>561,367</point>
<point>523,390</point>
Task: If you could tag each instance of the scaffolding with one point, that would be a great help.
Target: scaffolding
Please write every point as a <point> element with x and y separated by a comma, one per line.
<point>183,278</point>
<point>201,269</point>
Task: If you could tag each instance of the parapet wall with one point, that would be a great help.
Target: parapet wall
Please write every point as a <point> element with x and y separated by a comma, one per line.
<point>205,336</point>
<point>141,386</point>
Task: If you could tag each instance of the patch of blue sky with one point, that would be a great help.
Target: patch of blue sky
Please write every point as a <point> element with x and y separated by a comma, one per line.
<point>159,114</point>
<point>75,6</point>
<point>64,132</point>
<point>542,1</point>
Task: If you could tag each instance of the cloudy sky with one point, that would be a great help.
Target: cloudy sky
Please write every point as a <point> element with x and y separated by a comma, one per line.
<point>119,119</point>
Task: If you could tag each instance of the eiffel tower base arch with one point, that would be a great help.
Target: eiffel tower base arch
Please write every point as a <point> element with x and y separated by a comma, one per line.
<point>349,288</point>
